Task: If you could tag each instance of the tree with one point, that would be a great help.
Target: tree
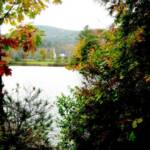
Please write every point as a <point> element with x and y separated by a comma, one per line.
<point>27,121</point>
<point>13,11</point>
<point>113,105</point>
<point>27,37</point>
<point>51,54</point>
<point>94,58</point>
<point>43,53</point>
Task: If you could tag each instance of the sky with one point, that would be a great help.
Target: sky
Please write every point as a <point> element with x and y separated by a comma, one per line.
<point>73,15</point>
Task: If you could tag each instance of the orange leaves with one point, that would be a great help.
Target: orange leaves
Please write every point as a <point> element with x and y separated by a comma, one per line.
<point>23,37</point>
<point>77,66</point>
<point>28,37</point>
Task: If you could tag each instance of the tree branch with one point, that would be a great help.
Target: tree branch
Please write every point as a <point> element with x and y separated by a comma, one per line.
<point>6,15</point>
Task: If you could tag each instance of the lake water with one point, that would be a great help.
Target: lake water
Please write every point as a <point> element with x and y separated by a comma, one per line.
<point>51,80</point>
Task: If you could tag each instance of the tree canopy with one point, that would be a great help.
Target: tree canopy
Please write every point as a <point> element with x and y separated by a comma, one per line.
<point>13,11</point>
<point>113,105</point>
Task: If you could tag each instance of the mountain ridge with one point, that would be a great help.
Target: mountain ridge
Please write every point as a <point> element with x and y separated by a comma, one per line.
<point>59,28</point>
<point>56,35</point>
<point>63,40</point>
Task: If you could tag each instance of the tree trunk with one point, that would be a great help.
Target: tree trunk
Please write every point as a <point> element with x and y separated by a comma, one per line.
<point>2,113</point>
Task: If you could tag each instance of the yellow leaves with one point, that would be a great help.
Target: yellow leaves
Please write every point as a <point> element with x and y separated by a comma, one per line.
<point>10,1</point>
<point>77,50</point>
<point>120,8</point>
<point>134,37</point>
<point>139,120</point>
<point>57,1</point>
<point>20,17</point>
<point>95,47</point>
<point>90,55</point>
<point>108,60</point>
<point>42,5</point>
<point>26,3</point>
<point>147,78</point>
<point>136,122</point>
<point>138,34</point>
<point>14,11</point>
<point>7,58</point>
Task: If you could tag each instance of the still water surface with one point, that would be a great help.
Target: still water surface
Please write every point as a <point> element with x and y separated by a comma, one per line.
<point>51,80</point>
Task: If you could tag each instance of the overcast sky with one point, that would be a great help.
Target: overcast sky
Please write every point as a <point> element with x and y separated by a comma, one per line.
<point>74,15</point>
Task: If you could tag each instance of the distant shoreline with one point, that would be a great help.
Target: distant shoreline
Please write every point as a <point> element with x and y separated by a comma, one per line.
<point>39,65</point>
<point>46,64</point>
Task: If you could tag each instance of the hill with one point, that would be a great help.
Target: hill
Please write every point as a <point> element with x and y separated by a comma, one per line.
<point>60,39</point>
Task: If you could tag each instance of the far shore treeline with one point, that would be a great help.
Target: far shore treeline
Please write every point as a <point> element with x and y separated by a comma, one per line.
<point>55,49</point>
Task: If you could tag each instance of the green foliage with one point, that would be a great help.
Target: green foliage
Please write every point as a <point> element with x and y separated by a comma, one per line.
<point>27,121</point>
<point>69,109</point>
<point>111,110</point>
<point>132,136</point>
<point>14,11</point>
<point>43,53</point>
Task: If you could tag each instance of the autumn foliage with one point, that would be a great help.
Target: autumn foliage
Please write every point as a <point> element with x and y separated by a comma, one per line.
<point>26,37</point>
<point>4,42</point>
<point>111,109</point>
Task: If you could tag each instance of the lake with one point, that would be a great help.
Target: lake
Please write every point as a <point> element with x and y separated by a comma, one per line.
<point>51,80</point>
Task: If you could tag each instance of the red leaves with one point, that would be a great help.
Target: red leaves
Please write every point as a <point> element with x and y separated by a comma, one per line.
<point>4,69</point>
<point>4,43</point>
<point>27,37</point>
<point>23,37</point>
<point>3,54</point>
<point>11,42</point>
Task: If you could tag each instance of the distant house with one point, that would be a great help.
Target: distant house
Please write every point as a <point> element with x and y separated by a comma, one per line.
<point>62,55</point>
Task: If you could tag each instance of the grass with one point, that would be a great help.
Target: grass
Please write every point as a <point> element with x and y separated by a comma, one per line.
<point>37,63</point>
